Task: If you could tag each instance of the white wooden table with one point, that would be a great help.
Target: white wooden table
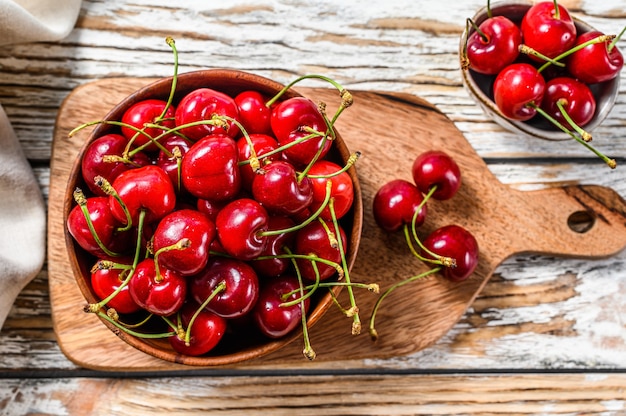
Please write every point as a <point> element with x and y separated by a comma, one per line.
<point>546,336</point>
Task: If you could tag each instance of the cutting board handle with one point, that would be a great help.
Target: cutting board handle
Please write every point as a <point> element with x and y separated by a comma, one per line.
<point>583,221</point>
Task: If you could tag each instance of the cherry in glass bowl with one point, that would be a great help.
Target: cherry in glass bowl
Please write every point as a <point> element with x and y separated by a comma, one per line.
<point>241,343</point>
<point>480,85</point>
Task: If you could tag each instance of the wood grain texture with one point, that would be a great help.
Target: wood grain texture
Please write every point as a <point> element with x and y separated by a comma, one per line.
<point>531,394</point>
<point>505,222</point>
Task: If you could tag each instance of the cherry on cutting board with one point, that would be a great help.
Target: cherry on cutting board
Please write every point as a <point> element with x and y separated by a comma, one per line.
<point>395,204</point>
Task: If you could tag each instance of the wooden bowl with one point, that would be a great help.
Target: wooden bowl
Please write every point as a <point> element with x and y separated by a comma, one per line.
<point>480,86</point>
<point>235,347</point>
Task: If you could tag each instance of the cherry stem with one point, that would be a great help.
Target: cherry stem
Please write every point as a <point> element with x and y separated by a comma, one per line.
<point>597,39</point>
<point>130,331</point>
<point>527,50</point>
<point>489,12</point>
<point>283,147</point>
<point>81,200</point>
<point>311,288</point>
<point>108,189</point>
<point>557,11</point>
<point>172,44</point>
<point>349,163</point>
<point>219,288</point>
<point>614,41</point>
<point>561,103</point>
<point>356,319</point>
<point>309,257</point>
<point>371,287</point>
<point>307,350</point>
<point>311,218</point>
<point>309,76</point>
<point>372,329</point>
<point>610,162</point>
<point>181,244</point>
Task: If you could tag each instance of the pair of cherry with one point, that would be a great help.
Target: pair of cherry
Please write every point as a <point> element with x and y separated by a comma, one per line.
<point>213,211</point>
<point>543,67</point>
<point>402,205</point>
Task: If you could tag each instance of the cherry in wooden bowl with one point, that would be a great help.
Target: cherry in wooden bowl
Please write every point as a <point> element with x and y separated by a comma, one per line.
<point>242,341</point>
<point>479,82</point>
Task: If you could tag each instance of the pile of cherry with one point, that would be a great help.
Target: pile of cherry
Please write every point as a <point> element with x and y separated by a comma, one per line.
<point>542,67</point>
<point>401,205</point>
<point>212,215</point>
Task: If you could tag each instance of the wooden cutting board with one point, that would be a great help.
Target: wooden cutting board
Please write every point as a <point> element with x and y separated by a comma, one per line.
<point>390,129</point>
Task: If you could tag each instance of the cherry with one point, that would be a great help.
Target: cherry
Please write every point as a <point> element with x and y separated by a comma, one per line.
<point>272,265</point>
<point>280,189</point>
<point>314,240</point>
<point>146,189</point>
<point>106,280</point>
<point>240,225</point>
<point>517,90</point>
<point>455,242</point>
<point>548,28</point>
<point>493,45</point>
<point>262,144</point>
<point>104,224</point>
<point>150,111</point>
<point>209,168</point>
<point>597,62</point>
<point>436,169</point>
<point>161,292</point>
<point>191,225</point>
<point>254,115</point>
<point>94,161</point>
<point>295,119</point>
<point>203,104</point>
<point>241,287</point>
<point>274,320</point>
<point>395,204</point>
<point>565,94</point>
<point>342,189</point>
<point>200,331</point>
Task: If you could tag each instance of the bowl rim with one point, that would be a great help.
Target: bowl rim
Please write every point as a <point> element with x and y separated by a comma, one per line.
<point>603,108</point>
<point>211,78</point>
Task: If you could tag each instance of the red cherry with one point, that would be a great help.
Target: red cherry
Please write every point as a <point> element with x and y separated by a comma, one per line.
<point>598,62</point>
<point>146,189</point>
<point>161,295</point>
<point>313,239</point>
<point>205,333</point>
<point>254,115</point>
<point>188,224</point>
<point>280,190</point>
<point>209,168</point>
<point>105,226</point>
<point>342,189</point>
<point>576,98</point>
<point>457,243</point>
<point>273,320</point>
<point>395,204</point>
<point>291,120</point>
<point>202,104</point>
<point>150,111</point>
<point>240,225</point>
<point>494,45</point>
<point>436,168</point>
<point>105,281</point>
<point>517,89</point>
<point>93,162</point>
<point>240,294</point>
<point>262,144</point>
<point>546,31</point>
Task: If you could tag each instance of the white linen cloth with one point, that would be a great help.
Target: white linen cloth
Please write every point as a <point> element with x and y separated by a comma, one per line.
<point>22,209</point>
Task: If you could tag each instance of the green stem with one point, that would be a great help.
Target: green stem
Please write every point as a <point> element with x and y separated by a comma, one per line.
<point>597,39</point>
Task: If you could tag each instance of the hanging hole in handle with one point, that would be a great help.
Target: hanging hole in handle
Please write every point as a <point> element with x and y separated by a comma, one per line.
<point>581,221</point>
